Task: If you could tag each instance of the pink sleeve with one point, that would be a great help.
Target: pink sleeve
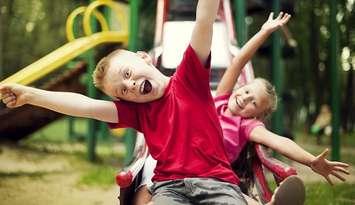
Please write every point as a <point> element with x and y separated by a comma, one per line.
<point>221,100</point>
<point>127,115</point>
<point>247,125</point>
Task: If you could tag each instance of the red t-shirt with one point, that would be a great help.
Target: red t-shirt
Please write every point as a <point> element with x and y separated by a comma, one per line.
<point>181,128</point>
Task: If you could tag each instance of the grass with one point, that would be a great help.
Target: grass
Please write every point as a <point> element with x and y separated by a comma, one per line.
<point>54,139</point>
<point>320,193</point>
<point>99,176</point>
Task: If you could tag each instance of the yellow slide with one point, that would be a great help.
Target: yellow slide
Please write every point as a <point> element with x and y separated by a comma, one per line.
<point>9,127</point>
<point>75,47</point>
<point>62,55</point>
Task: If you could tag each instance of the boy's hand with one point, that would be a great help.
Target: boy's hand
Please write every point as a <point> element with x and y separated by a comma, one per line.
<point>273,24</point>
<point>13,95</point>
<point>325,168</point>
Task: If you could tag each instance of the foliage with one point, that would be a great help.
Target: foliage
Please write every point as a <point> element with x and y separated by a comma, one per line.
<point>33,28</point>
<point>30,29</point>
<point>306,68</point>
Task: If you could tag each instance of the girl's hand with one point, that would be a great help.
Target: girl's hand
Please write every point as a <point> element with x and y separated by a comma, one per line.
<point>13,95</point>
<point>325,167</point>
<point>273,24</point>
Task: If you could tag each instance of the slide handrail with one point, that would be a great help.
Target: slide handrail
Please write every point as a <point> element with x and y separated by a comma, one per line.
<point>69,27</point>
<point>119,9</point>
<point>62,55</point>
<point>76,47</point>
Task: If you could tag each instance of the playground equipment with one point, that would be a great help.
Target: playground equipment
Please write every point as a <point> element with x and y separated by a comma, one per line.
<point>74,48</point>
<point>166,24</point>
<point>33,118</point>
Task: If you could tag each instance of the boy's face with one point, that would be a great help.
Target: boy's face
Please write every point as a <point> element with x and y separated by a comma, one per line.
<point>132,77</point>
<point>249,100</point>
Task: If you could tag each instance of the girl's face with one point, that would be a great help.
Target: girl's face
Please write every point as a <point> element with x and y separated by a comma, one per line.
<point>249,100</point>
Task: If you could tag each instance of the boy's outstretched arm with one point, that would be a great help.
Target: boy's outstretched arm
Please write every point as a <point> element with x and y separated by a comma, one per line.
<point>290,149</point>
<point>201,38</point>
<point>232,73</point>
<point>14,95</point>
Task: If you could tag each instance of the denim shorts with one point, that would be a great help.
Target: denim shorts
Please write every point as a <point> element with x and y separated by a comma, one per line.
<point>196,191</point>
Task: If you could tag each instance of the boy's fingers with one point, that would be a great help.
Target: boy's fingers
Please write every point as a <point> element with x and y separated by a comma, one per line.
<point>11,104</point>
<point>5,95</point>
<point>4,89</point>
<point>8,99</point>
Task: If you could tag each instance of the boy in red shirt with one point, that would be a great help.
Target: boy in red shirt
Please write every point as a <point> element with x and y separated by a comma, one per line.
<point>176,115</point>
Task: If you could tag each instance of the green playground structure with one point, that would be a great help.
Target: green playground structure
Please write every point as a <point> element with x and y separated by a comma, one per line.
<point>126,16</point>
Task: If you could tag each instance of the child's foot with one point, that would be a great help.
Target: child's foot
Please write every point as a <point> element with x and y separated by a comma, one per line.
<point>291,192</point>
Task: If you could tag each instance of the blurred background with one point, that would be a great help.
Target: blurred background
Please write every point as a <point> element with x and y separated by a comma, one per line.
<point>74,161</point>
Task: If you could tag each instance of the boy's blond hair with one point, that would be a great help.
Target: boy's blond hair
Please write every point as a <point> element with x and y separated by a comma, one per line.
<point>101,69</point>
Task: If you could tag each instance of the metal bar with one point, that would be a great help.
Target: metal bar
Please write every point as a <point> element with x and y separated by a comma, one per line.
<point>91,92</point>
<point>335,94</point>
<point>240,29</point>
<point>277,74</point>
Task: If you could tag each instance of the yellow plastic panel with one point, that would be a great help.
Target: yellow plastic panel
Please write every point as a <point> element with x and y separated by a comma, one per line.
<point>62,55</point>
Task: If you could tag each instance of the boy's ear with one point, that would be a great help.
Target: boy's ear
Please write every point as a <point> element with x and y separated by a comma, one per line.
<point>146,57</point>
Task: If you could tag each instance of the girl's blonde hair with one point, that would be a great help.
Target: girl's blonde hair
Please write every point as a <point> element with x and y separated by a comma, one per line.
<point>271,96</point>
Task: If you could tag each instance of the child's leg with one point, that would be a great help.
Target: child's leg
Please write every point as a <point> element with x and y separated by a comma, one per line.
<point>250,200</point>
<point>211,191</point>
<point>142,196</point>
<point>172,192</point>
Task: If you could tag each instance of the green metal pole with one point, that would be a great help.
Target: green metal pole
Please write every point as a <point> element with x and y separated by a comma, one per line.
<point>277,73</point>
<point>134,25</point>
<point>240,27</point>
<point>71,64</point>
<point>130,135</point>
<point>92,92</point>
<point>335,94</point>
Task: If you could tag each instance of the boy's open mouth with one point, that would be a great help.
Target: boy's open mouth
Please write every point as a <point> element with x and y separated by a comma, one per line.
<point>146,87</point>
